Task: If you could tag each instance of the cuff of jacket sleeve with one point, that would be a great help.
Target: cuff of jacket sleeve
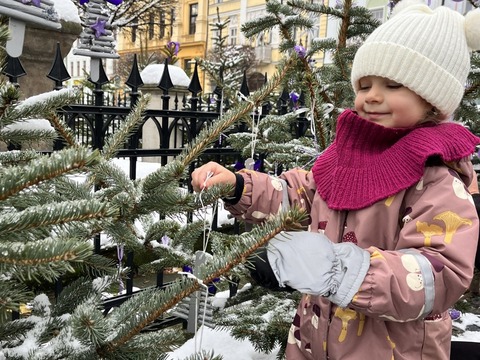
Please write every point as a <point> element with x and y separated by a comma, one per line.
<point>237,195</point>
<point>354,263</point>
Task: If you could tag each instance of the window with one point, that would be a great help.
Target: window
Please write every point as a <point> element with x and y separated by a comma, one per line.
<point>233,36</point>
<point>162,24</point>
<point>151,26</point>
<point>78,68</point>
<point>134,31</point>
<point>377,14</point>
<point>193,18</point>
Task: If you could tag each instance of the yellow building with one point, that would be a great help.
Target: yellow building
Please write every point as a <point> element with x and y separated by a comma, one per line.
<point>189,24</point>
<point>186,24</point>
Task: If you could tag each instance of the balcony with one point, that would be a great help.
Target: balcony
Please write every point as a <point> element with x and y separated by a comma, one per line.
<point>263,54</point>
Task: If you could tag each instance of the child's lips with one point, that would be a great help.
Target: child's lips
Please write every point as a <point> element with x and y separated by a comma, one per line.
<point>375,115</point>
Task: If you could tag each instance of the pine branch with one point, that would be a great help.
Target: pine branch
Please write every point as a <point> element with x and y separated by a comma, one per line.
<point>12,295</point>
<point>36,106</point>
<point>132,324</point>
<point>18,136</point>
<point>128,127</point>
<point>62,128</point>
<point>16,179</point>
<point>43,260</point>
<point>54,214</point>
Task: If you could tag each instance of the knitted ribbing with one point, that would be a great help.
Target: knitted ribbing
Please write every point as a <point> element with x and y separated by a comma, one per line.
<point>368,162</point>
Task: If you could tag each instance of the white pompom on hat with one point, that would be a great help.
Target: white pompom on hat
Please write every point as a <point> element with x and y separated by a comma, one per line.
<point>426,50</point>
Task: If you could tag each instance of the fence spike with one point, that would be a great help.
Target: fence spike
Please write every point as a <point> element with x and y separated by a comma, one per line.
<point>165,82</point>
<point>102,76</point>
<point>58,72</point>
<point>14,69</point>
<point>134,79</point>
<point>244,88</point>
<point>195,86</point>
<point>284,96</point>
<point>218,88</point>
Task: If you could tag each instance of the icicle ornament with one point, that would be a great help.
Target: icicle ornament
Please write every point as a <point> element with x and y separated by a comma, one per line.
<point>22,12</point>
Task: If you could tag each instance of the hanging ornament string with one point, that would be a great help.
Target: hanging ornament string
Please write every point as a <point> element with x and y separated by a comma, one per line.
<point>327,109</point>
<point>255,123</point>
<point>207,225</point>
<point>121,287</point>
<point>207,229</point>
<point>250,162</point>
<point>221,114</point>
<point>313,128</point>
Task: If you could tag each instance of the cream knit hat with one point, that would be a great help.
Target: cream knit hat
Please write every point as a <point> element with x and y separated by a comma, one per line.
<point>426,50</point>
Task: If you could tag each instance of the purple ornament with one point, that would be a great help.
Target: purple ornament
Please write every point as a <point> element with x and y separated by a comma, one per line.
<point>187,268</point>
<point>166,240</point>
<point>212,289</point>
<point>454,314</point>
<point>174,44</point>
<point>99,27</point>
<point>300,50</point>
<point>294,97</point>
<point>239,165</point>
<point>114,2</point>
<point>257,165</point>
<point>37,3</point>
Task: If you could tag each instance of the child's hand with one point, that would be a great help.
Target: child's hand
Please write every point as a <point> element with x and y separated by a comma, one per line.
<point>311,263</point>
<point>211,174</point>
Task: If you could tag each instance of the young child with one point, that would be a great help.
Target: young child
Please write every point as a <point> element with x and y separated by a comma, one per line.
<point>393,230</point>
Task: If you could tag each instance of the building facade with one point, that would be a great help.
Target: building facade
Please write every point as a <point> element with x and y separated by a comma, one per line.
<point>189,24</point>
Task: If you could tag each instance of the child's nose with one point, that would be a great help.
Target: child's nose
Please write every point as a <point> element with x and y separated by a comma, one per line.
<point>374,94</point>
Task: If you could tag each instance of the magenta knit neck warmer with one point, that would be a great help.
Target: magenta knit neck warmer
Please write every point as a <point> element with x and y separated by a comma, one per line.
<point>368,162</point>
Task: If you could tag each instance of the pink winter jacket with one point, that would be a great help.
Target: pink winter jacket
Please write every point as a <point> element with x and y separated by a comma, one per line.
<point>387,317</point>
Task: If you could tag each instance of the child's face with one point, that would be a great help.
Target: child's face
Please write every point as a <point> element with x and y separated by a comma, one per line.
<point>389,103</point>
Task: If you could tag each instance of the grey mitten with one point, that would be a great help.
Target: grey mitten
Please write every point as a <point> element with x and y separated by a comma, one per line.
<point>312,264</point>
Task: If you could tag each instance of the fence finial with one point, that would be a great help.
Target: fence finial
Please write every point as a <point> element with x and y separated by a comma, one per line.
<point>195,86</point>
<point>244,88</point>
<point>58,72</point>
<point>134,79</point>
<point>165,82</point>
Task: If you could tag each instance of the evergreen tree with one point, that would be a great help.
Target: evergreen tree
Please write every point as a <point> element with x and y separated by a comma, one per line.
<point>318,94</point>
<point>225,63</point>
